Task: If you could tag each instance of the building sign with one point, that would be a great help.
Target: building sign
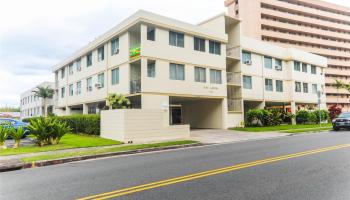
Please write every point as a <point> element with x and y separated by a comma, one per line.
<point>135,52</point>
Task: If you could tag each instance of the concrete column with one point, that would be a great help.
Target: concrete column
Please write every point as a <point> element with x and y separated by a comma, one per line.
<point>293,110</point>
<point>85,109</point>
<point>261,105</point>
<point>68,111</point>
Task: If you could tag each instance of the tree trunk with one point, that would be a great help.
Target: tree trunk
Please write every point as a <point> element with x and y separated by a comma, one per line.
<point>45,107</point>
<point>2,145</point>
<point>16,145</point>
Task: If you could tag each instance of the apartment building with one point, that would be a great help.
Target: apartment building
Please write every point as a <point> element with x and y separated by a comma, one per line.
<point>33,106</point>
<point>311,25</point>
<point>203,75</point>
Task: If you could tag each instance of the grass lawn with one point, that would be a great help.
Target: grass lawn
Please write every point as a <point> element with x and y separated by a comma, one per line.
<point>105,150</point>
<point>283,127</point>
<point>308,130</point>
<point>68,141</point>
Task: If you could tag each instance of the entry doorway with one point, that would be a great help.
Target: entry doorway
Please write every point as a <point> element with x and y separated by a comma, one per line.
<point>175,114</point>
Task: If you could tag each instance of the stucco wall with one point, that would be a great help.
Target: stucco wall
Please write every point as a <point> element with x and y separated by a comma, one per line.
<point>139,125</point>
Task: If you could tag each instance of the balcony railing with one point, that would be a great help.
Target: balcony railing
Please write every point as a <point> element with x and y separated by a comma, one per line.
<point>234,78</point>
<point>234,105</point>
<point>234,53</point>
<point>135,86</point>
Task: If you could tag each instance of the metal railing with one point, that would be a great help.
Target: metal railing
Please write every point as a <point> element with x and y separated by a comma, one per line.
<point>135,86</point>
<point>234,105</point>
<point>234,78</point>
<point>234,52</point>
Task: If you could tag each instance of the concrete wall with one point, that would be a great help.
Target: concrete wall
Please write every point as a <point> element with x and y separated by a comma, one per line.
<point>139,125</point>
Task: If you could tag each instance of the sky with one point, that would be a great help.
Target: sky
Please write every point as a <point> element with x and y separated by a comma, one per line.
<point>37,34</point>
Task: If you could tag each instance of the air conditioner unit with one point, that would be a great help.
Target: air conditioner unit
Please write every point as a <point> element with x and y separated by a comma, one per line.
<point>98,85</point>
<point>248,62</point>
<point>277,67</point>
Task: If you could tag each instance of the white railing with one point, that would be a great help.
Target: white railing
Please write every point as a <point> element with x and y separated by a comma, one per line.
<point>234,78</point>
<point>234,105</point>
<point>234,52</point>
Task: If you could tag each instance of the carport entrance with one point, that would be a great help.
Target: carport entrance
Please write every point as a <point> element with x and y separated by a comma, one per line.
<point>197,112</point>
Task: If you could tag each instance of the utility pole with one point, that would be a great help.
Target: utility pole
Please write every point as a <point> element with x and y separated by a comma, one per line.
<point>319,105</point>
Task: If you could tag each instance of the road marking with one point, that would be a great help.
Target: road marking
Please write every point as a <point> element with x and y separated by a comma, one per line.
<point>203,174</point>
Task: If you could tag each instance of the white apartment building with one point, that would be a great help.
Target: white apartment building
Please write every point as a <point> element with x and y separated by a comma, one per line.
<point>33,106</point>
<point>197,74</point>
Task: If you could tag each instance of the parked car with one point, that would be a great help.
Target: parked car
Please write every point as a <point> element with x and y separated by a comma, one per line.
<point>342,121</point>
<point>8,122</point>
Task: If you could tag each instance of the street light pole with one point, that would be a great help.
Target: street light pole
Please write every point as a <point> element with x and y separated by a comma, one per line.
<point>319,105</point>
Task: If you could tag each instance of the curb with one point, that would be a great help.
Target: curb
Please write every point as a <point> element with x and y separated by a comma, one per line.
<point>22,165</point>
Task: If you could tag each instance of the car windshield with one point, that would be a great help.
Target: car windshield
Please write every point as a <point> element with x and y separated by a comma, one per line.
<point>344,115</point>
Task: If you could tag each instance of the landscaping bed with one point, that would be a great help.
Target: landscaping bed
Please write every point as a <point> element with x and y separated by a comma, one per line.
<point>285,127</point>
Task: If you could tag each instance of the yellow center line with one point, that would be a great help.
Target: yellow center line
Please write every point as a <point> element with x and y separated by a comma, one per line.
<point>189,177</point>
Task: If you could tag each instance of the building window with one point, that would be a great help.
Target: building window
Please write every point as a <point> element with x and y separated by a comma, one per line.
<point>71,92</point>
<point>78,64</point>
<point>268,84</point>
<point>278,65</point>
<point>305,87</point>
<point>247,82</point>
<point>279,86</point>
<point>63,91</point>
<point>177,71</point>
<point>297,87</point>
<point>268,62</point>
<point>176,39</point>
<point>101,80</point>
<point>313,69</point>
<point>89,84</point>
<point>100,53</point>
<point>296,66</point>
<point>89,59</point>
<point>215,76</point>
<point>200,74</point>
<point>214,47</point>
<point>79,87</point>
<point>151,33</point>
<point>246,57</point>
<point>314,88</point>
<point>70,69</point>
<point>115,46</point>
<point>115,76</point>
<point>304,67</point>
<point>199,44</point>
<point>151,68</point>
<point>63,72</point>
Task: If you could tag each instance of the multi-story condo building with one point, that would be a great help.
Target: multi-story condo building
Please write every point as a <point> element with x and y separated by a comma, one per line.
<point>198,74</point>
<point>33,106</point>
<point>311,25</point>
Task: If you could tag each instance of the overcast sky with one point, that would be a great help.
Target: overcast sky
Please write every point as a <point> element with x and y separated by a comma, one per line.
<point>36,34</point>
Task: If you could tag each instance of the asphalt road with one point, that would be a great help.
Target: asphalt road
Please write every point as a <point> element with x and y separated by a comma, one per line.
<point>319,175</point>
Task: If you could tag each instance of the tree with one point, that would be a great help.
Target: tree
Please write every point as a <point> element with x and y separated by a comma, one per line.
<point>118,101</point>
<point>334,111</point>
<point>338,84</point>
<point>347,87</point>
<point>45,93</point>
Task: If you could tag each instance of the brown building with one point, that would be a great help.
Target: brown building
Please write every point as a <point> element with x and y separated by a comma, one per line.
<point>311,25</point>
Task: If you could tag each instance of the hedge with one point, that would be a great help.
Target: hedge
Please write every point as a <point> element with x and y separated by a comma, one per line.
<point>86,124</point>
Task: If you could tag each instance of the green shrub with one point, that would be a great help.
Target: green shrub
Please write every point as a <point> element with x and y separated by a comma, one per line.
<point>17,135</point>
<point>87,124</point>
<point>48,130</point>
<point>302,116</point>
<point>4,133</point>
<point>253,117</point>
<point>263,117</point>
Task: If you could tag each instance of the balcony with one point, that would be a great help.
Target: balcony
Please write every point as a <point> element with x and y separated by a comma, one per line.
<point>233,53</point>
<point>135,86</point>
<point>234,78</point>
<point>234,105</point>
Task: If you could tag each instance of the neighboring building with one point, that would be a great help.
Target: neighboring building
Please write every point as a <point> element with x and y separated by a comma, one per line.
<point>192,72</point>
<point>33,106</point>
<point>310,25</point>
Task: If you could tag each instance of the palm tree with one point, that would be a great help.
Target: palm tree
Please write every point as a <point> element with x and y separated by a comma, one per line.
<point>45,93</point>
<point>338,84</point>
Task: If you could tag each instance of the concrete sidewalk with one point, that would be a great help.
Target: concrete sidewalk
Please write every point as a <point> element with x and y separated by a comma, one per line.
<point>216,136</point>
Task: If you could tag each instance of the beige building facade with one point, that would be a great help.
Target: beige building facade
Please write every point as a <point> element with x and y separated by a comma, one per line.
<point>202,76</point>
<point>33,106</point>
<point>311,25</point>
